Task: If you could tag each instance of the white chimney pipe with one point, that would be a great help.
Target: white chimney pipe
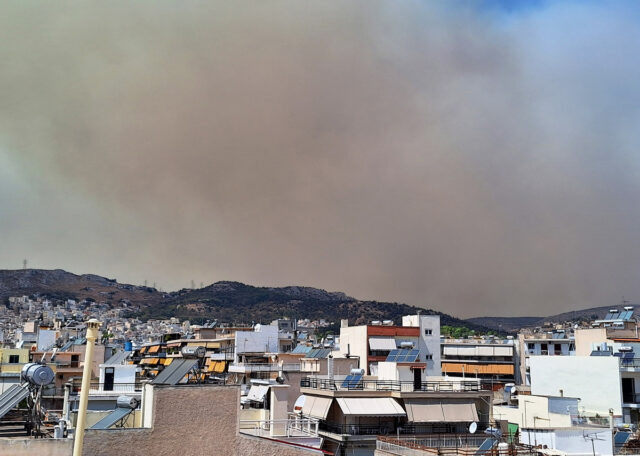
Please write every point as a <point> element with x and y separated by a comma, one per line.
<point>92,335</point>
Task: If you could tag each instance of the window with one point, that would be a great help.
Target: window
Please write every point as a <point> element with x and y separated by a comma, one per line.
<point>531,346</point>
<point>75,360</point>
<point>429,357</point>
<point>427,332</point>
<point>14,359</point>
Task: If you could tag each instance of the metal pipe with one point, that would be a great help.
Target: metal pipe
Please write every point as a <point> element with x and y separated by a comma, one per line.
<point>92,335</point>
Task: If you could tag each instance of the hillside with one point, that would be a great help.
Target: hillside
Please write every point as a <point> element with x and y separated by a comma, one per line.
<point>59,284</point>
<point>224,301</point>
<point>515,323</point>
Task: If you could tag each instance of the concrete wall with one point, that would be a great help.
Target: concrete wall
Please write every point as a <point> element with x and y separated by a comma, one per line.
<point>36,447</point>
<point>593,379</point>
<point>572,441</point>
<point>263,339</point>
<point>429,341</point>
<point>534,412</point>
<point>585,338</point>
<point>187,420</point>
<point>355,337</point>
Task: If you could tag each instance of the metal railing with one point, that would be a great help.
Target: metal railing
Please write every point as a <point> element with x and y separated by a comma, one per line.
<point>295,426</point>
<point>633,363</point>
<point>422,447</point>
<point>264,367</point>
<point>439,434</point>
<point>391,385</point>
<point>100,388</point>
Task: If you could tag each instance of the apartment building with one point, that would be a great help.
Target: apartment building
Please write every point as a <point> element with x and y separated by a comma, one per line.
<point>372,343</point>
<point>490,359</point>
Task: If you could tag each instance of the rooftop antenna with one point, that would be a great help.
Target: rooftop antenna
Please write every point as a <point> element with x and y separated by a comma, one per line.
<point>193,284</point>
<point>24,264</point>
<point>145,282</point>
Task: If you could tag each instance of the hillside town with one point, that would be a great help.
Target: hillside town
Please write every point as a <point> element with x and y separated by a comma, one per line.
<point>71,371</point>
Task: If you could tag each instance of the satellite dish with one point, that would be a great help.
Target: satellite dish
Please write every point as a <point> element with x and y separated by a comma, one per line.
<point>473,427</point>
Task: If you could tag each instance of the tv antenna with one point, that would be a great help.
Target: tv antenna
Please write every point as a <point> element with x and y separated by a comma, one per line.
<point>593,437</point>
<point>24,264</point>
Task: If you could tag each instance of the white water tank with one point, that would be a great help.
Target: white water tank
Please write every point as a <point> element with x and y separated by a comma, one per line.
<point>37,374</point>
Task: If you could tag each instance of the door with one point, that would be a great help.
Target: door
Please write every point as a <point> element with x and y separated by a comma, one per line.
<point>109,374</point>
<point>417,379</point>
<point>628,390</point>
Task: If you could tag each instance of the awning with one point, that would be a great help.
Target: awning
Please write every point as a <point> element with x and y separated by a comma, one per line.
<point>257,393</point>
<point>166,361</point>
<point>215,366</point>
<point>316,407</point>
<point>150,361</point>
<point>460,412</point>
<point>421,411</point>
<point>154,349</point>
<point>143,349</point>
<point>196,344</point>
<point>382,343</point>
<point>472,369</point>
<point>173,345</point>
<point>370,406</point>
<point>213,344</point>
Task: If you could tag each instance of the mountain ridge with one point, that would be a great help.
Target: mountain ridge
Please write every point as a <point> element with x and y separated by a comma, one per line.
<point>226,301</point>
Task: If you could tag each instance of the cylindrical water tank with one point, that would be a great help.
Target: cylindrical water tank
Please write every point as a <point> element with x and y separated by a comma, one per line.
<point>357,371</point>
<point>194,352</point>
<point>127,402</point>
<point>37,374</point>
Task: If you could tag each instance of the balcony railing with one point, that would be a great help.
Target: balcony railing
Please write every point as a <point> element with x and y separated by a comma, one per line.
<point>633,363</point>
<point>295,426</point>
<point>264,367</point>
<point>390,385</point>
<point>102,388</point>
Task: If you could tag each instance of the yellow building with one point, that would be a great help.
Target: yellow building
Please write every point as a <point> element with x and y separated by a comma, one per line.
<point>11,362</point>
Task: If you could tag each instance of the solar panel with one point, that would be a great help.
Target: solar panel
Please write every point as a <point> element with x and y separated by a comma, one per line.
<point>112,418</point>
<point>621,438</point>
<point>486,446</point>
<point>626,315</point>
<point>608,316</point>
<point>175,372</point>
<point>352,381</point>
<point>12,397</point>
<point>403,355</point>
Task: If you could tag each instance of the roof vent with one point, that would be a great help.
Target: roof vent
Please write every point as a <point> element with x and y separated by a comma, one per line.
<point>376,322</point>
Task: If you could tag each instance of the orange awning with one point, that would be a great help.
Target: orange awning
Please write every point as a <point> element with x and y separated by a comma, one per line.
<point>154,349</point>
<point>472,369</point>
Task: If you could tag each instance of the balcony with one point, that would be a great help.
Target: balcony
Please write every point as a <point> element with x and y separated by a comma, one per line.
<point>245,368</point>
<point>630,365</point>
<point>295,426</point>
<point>97,388</point>
<point>390,385</point>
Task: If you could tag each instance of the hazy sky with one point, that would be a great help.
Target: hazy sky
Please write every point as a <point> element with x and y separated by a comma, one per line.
<point>477,158</point>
